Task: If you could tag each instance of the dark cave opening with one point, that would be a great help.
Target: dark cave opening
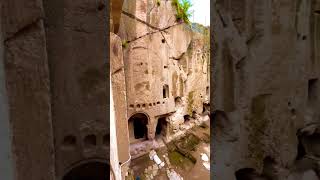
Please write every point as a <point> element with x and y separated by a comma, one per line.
<point>187,118</point>
<point>161,127</point>
<point>89,171</point>
<point>139,122</point>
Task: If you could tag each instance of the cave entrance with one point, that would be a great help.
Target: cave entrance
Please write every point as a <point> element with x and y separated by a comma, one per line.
<point>138,129</point>
<point>87,171</point>
<point>161,129</point>
<point>178,101</point>
<point>186,118</point>
<point>249,174</point>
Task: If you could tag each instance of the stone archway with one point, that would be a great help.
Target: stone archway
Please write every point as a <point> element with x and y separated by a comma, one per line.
<point>89,170</point>
<point>138,127</point>
<point>249,174</point>
<point>161,128</point>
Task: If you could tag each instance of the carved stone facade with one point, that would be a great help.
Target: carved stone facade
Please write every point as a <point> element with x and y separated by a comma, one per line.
<point>166,62</point>
<point>266,71</point>
<point>55,63</point>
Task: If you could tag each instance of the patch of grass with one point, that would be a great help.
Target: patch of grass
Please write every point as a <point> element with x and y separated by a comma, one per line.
<point>176,158</point>
<point>188,143</point>
<point>183,10</point>
<point>179,151</point>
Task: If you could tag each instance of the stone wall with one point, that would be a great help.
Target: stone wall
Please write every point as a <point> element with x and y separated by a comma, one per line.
<point>120,133</point>
<point>164,60</point>
<point>263,63</point>
<point>6,158</point>
<point>115,172</point>
<point>78,80</point>
<point>146,57</point>
<point>119,97</point>
<point>55,63</point>
<point>28,89</point>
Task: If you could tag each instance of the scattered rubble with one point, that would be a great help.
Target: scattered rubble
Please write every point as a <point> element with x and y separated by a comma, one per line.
<point>185,157</point>
<point>153,156</point>
<point>204,157</point>
<point>153,170</point>
<point>172,175</point>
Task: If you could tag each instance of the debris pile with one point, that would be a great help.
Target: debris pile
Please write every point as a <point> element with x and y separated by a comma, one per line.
<point>151,172</point>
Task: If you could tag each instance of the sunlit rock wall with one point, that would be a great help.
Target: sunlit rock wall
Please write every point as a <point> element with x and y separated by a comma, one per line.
<point>164,60</point>
<point>119,97</point>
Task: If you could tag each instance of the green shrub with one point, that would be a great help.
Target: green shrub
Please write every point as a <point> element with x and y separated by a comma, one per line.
<point>125,44</point>
<point>182,8</point>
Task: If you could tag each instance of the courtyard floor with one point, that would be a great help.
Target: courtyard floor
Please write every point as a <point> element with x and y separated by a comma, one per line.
<point>183,156</point>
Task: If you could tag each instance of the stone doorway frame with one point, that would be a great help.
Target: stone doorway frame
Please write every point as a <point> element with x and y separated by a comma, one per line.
<point>147,126</point>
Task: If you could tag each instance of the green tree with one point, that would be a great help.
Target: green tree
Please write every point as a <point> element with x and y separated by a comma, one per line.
<point>183,10</point>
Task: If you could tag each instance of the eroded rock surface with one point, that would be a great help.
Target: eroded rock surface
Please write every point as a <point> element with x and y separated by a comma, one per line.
<point>28,89</point>
<point>55,63</point>
<point>266,88</point>
<point>167,72</point>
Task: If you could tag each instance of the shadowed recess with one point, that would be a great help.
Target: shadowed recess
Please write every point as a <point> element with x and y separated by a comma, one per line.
<point>89,171</point>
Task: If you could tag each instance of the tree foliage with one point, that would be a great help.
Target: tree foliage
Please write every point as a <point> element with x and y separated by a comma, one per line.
<point>183,10</point>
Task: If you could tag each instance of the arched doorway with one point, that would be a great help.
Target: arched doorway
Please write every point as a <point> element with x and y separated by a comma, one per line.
<point>138,127</point>
<point>161,129</point>
<point>90,170</point>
